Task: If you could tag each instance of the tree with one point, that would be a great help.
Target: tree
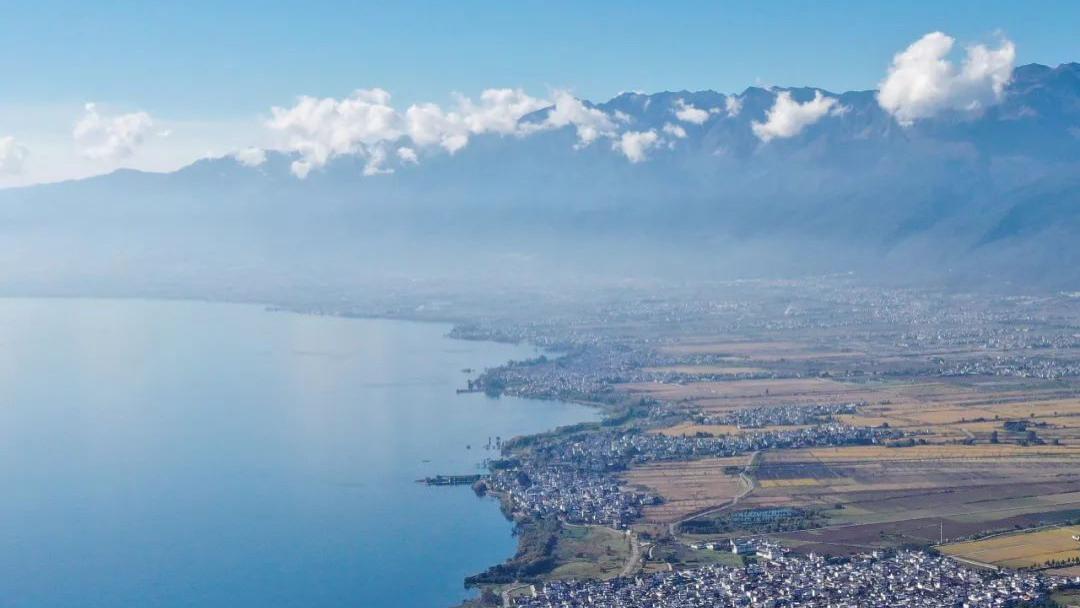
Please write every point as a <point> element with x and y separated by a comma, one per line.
<point>488,597</point>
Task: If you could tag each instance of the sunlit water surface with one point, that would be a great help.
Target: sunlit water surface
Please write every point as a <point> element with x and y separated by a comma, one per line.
<point>205,455</point>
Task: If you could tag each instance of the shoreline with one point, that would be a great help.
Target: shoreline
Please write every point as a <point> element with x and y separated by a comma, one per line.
<point>568,489</point>
<point>505,506</point>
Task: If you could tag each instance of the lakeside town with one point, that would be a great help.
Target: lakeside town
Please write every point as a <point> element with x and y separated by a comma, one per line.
<point>672,400</point>
<point>494,304</point>
<point>906,578</point>
<point>573,477</point>
<point>760,411</point>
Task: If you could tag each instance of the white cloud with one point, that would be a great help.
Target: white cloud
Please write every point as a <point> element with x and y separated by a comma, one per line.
<point>674,130</point>
<point>109,138</point>
<point>733,105</point>
<point>788,118</point>
<point>635,144</point>
<point>688,113</point>
<point>427,124</point>
<point>46,130</point>
<point>367,125</point>
<point>375,160</point>
<point>12,155</point>
<point>499,110</point>
<point>590,123</point>
<point>320,129</point>
<point>250,157</point>
<point>922,81</point>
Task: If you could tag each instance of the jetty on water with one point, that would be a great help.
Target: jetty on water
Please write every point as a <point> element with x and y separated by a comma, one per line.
<point>451,480</point>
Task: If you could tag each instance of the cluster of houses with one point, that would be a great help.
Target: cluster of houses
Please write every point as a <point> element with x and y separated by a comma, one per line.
<point>575,477</point>
<point>585,370</point>
<point>603,344</point>
<point>750,546</point>
<point>571,495</point>
<point>615,450</point>
<point>781,415</point>
<point>779,580</point>
<point>1013,365</point>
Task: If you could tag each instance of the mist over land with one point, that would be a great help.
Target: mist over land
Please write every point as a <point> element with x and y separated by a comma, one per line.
<point>696,187</point>
<point>769,344</point>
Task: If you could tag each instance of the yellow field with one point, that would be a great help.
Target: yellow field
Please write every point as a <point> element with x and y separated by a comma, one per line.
<point>1020,550</point>
<point>726,395</point>
<point>760,352</point>
<point>876,495</point>
<point>687,486</point>
<point>705,346</point>
<point>942,412</point>
<point>861,420</point>
<point>790,483</point>
<point>689,428</point>
<point>875,453</point>
<point>705,370</point>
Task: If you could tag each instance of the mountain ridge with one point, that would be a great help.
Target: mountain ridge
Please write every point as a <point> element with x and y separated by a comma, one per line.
<point>970,189</point>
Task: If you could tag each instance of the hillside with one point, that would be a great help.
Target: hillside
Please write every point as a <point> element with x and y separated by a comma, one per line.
<point>711,192</point>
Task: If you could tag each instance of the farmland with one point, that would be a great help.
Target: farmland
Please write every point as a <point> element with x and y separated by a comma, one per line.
<point>589,552</point>
<point>829,434</point>
<point>967,475</point>
<point>688,487</point>
<point>876,496</point>
<point>1021,550</point>
<point>707,370</point>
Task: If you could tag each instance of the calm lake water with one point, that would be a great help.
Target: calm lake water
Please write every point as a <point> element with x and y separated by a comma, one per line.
<point>192,454</point>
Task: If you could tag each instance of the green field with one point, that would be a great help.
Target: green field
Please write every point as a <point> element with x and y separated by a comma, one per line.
<point>593,552</point>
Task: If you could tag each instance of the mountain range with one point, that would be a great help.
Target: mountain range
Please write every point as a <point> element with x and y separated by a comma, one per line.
<point>700,189</point>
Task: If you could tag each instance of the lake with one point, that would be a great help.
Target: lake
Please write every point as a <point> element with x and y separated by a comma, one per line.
<point>194,454</point>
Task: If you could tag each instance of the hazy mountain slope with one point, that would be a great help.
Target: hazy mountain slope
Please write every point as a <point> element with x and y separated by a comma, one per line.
<point>854,190</point>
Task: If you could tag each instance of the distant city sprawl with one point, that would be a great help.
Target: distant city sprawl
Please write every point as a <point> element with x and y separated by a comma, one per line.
<point>904,579</point>
<point>813,442</point>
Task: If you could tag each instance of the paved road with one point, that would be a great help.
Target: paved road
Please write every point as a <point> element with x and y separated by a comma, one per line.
<point>749,486</point>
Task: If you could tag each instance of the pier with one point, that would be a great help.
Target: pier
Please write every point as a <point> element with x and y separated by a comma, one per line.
<point>451,480</point>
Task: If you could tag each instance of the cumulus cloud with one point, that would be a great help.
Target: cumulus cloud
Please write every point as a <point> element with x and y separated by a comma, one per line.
<point>376,159</point>
<point>688,113</point>
<point>250,157</point>
<point>320,129</point>
<point>12,155</point>
<point>636,144</point>
<point>922,81</point>
<point>368,126</point>
<point>674,130</point>
<point>301,168</point>
<point>428,124</point>
<point>589,123</point>
<point>499,110</point>
<point>788,118</point>
<point>732,105</point>
<point>104,137</point>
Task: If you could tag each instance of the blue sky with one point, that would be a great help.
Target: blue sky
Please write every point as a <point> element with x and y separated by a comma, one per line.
<point>219,70</point>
